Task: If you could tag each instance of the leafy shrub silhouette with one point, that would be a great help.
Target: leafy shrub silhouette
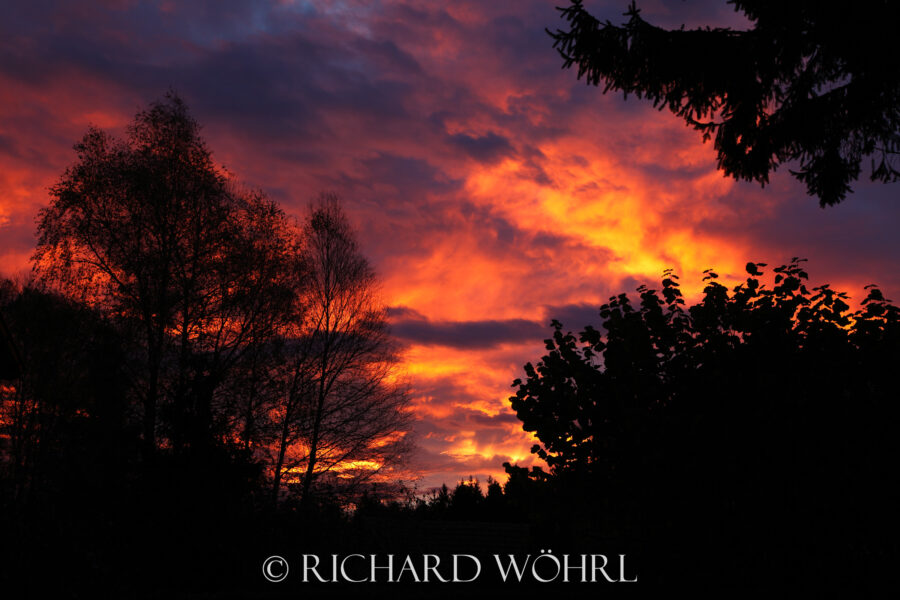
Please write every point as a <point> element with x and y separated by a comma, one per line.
<point>754,428</point>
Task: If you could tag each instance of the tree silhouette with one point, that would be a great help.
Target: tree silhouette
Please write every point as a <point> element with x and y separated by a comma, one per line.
<point>65,419</point>
<point>151,232</point>
<point>246,334</point>
<point>183,340</point>
<point>10,362</point>
<point>811,82</point>
<point>182,350</point>
<point>344,410</point>
<point>759,420</point>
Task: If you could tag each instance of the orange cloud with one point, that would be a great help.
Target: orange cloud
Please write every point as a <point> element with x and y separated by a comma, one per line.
<point>491,190</point>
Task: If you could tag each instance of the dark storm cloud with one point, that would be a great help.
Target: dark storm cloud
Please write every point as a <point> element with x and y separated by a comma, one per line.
<point>499,420</point>
<point>486,148</point>
<point>574,317</point>
<point>406,173</point>
<point>466,334</point>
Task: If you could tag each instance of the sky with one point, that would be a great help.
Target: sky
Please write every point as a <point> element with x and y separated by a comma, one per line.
<point>490,189</point>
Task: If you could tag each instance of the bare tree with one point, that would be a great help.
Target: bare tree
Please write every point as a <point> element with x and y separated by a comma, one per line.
<point>345,413</point>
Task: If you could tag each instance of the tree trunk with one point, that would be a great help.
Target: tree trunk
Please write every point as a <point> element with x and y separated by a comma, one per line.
<point>149,449</point>
<point>279,464</point>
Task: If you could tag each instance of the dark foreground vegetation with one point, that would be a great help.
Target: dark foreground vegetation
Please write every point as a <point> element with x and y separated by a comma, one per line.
<point>745,442</point>
<point>191,384</point>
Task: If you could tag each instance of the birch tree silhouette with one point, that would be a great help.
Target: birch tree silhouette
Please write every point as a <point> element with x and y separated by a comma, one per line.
<point>149,230</point>
<point>345,410</point>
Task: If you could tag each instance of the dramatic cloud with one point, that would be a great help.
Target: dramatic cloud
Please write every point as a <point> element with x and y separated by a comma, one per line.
<point>492,191</point>
<point>463,334</point>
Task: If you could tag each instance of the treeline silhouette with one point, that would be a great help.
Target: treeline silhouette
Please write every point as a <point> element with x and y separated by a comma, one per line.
<point>188,371</point>
<point>746,442</point>
<point>466,501</point>
<point>193,382</point>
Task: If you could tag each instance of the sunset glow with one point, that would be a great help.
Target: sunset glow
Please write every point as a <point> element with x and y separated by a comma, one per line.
<point>491,190</point>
